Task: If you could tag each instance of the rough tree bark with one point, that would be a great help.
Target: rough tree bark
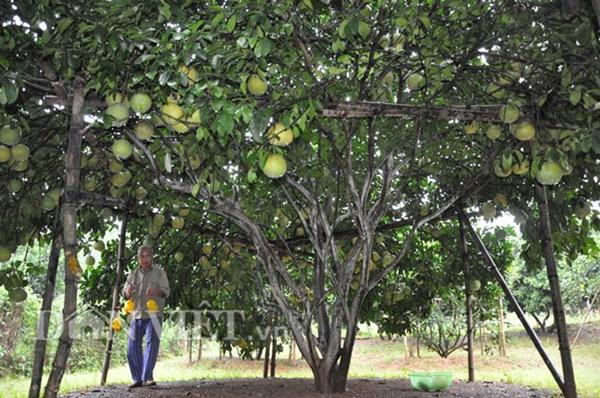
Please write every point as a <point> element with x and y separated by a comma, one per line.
<point>115,297</point>
<point>69,224</point>
<point>39,356</point>
<point>501,334</point>
<point>560,321</point>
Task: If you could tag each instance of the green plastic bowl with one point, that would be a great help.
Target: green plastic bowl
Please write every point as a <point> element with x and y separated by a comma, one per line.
<point>430,381</point>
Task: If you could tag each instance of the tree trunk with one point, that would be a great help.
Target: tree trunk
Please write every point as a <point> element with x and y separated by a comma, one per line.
<point>199,356</point>
<point>501,334</point>
<point>570,390</point>
<point>115,297</point>
<point>482,338</point>
<point>69,224</point>
<point>468,301</point>
<point>39,356</point>
<point>418,339</point>
<point>292,349</point>
<point>405,340</point>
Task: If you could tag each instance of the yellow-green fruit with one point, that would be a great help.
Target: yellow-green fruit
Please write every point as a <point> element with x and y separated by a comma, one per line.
<point>140,193</point>
<point>121,179</point>
<point>509,113</point>
<point>20,165</point>
<point>158,219</point>
<point>207,249</point>
<point>472,127</point>
<point>414,81</point>
<point>256,85</point>
<point>90,260</point>
<point>488,210</point>
<point>4,154</point>
<point>524,131</point>
<point>116,192</point>
<point>184,212</point>
<point>119,112</point>
<point>388,78</point>
<point>495,91</point>
<point>17,295</point>
<point>54,194</point>
<point>89,184</point>
<point>521,168</point>
<point>99,245</point>
<point>493,132</point>
<point>550,173</point>
<point>15,185</point>
<point>115,166</point>
<point>582,209</point>
<point>143,130</point>
<point>171,113</point>
<point>475,285</point>
<point>275,166</point>
<point>48,203</point>
<point>122,149</point>
<point>20,152</point>
<point>141,102</point>
<point>177,222</point>
<point>179,257</point>
<point>501,200</point>
<point>191,74</point>
<point>280,136</point>
<point>5,254</point>
<point>10,136</point>
<point>114,98</point>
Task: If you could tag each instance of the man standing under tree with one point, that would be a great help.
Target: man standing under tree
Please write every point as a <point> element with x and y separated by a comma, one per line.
<point>147,286</point>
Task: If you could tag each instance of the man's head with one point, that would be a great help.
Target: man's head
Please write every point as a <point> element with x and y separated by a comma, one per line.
<point>145,254</point>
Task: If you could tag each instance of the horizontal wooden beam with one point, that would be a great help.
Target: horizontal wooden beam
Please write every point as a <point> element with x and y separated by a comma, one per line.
<point>484,113</point>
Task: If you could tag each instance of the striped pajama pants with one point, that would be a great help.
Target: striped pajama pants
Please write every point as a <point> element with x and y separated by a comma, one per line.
<point>142,365</point>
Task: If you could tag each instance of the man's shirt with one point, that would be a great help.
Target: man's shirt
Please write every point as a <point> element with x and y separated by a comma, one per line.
<point>143,279</point>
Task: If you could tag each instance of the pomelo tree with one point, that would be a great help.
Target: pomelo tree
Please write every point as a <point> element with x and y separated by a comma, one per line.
<point>482,99</point>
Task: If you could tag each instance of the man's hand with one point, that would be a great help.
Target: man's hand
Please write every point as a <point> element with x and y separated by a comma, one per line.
<point>129,291</point>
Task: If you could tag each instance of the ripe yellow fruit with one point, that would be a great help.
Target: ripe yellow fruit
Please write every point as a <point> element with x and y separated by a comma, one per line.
<point>256,85</point>
<point>275,166</point>
<point>180,128</point>
<point>524,131</point>
<point>117,325</point>
<point>177,222</point>
<point>141,102</point>
<point>414,81</point>
<point>171,113</point>
<point>194,118</point>
<point>151,305</point>
<point>280,136</point>
<point>4,154</point>
<point>144,130</point>
<point>191,74</point>
<point>129,306</point>
<point>10,136</point>
<point>122,149</point>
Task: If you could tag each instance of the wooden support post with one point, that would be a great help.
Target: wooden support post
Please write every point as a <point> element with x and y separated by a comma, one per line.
<point>520,314</point>
<point>39,356</point>
<point>115,296</point>
<point>199,356</point>
<point>468,300</point>
<point>267,353</point>
<point>570,389</point>
<point>292,349</point>
<point>405,340</point>
<point>501,334</point>
<point>273,350</point>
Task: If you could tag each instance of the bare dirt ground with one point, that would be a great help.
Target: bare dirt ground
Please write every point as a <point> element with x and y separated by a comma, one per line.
<point>304,388</point>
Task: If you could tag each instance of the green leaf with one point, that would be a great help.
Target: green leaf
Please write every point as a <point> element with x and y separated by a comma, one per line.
<point>64,24</point>
<point>308,4</point>
<point>231,23</point>
<point>164,77</point>
<point>263,47</point>
<point>251,177</point>
<point>363,29</point>
<point>145,58</point>
<point>195,189</point>
<point>575,95</point>
<point>165,10</point>
<point>342,28</point>
<point>259,124</point>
